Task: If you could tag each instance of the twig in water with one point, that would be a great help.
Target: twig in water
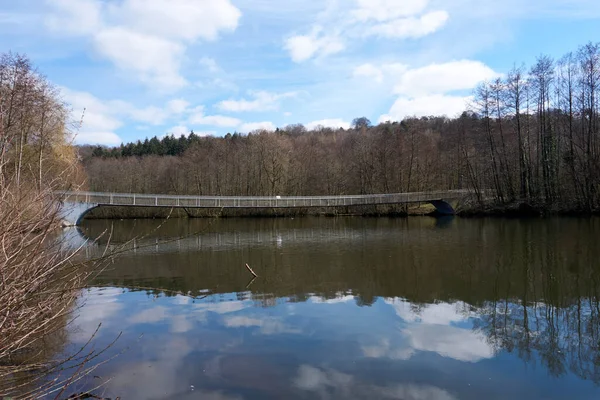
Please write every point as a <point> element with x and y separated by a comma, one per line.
<point>252,272</point>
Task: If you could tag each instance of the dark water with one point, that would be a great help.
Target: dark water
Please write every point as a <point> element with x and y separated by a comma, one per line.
<point>415,309</point>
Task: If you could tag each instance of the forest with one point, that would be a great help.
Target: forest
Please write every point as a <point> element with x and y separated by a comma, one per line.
<point>530,136</point>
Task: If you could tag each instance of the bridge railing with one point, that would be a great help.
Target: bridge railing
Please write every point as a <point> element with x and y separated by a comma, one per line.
<point>151,200</point>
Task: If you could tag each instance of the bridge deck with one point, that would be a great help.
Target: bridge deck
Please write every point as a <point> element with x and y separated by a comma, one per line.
<point>152,200</point>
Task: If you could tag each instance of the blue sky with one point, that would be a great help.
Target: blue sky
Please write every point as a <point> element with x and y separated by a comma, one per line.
<point>150,67</point>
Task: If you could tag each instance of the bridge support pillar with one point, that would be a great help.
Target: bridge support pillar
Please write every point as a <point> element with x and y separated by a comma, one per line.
<point>72,213</point>
<point>442,207</point>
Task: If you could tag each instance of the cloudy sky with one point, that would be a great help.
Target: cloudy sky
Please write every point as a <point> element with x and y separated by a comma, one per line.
<point>150,67</point>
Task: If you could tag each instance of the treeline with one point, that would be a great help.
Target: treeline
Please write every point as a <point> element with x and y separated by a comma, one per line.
<point>529,136</point>
<point>291,161</point>
<point>170,145</point>
<point>167,146</point>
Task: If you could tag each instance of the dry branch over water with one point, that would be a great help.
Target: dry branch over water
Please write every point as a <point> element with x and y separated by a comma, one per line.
<point>40,277</point>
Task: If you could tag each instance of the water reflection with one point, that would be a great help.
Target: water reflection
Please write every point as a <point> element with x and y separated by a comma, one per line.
<point>441,328</point>
<point>357,308</point>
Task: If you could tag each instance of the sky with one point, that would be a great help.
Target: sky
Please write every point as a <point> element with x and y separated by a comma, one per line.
<point>144,68</point>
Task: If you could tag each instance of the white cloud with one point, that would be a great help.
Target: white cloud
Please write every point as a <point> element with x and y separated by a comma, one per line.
<point>424,91</point>
<point>177,106</point>
<point>394,69</point>
<point>338,25</point>
<point>385,72</point>
<point>103,117</point>
<point>178,130</point>
<point>150,115</point>
<point>96,119</point>
<point>154,60</point>
<point>97,137</point>
<point>74,17</point>
<point>198,118</point>
<point>107,114</point>
<point>368,71</point>
<point>436,105</point>
<point>262,101</point>
<point>178,19</point>
<point>384,10</point>
<point>98,123</point>
<point>301,48</point>
<point>334,123</point>
<point>146,38</point>
<point>410,27</point>
<point>304,47</point>
<point>253,126</point>
<point>441,78</point>
<point>216,120</point>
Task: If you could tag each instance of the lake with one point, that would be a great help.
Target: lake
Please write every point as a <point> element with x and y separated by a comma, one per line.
<point>345,308</point>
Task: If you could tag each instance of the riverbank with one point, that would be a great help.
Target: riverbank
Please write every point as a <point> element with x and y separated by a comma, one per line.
<point>511,210</point>
<point>384,210</point>
<point>521,210</point>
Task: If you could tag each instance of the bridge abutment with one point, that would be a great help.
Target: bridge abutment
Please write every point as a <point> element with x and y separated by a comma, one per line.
<point>72,213</point>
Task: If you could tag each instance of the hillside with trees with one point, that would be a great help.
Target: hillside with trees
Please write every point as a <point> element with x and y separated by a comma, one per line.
<point>531,136</point>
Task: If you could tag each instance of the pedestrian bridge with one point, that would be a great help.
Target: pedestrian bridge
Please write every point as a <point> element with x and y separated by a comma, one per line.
<point>77,204</point>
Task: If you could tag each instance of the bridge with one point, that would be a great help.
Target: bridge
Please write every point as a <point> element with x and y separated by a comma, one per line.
<point>77,204</point>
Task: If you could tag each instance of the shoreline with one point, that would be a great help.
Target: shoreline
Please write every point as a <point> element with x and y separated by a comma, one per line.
<point>120,212</point>
<point>521,210</point>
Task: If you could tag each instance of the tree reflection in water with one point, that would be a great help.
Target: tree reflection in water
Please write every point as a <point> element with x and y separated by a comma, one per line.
<point>526,287</point>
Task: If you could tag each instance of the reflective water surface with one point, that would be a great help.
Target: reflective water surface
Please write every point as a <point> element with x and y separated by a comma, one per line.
<point>352,308</point>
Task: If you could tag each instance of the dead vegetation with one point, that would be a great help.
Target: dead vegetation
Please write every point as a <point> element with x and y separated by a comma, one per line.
<point>40,276</point>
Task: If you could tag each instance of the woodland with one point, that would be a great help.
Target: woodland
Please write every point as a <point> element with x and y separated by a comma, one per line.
<point>531,136</point>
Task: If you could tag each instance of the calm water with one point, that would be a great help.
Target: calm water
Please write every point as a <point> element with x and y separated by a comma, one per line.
<point>414,309</point>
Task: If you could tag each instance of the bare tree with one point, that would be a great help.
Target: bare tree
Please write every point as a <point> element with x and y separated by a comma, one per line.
<point>515,95</point>
<point>40,279</point>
